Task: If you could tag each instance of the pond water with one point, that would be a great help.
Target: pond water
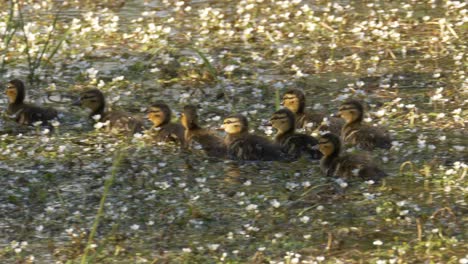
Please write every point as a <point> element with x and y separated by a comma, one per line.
<point>407,62</point>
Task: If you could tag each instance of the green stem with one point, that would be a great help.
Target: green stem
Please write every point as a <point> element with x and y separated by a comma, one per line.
<point>108,183</point>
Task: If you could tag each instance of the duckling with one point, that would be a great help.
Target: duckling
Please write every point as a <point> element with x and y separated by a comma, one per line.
<point>160,115</point>
<point>292,143</point>
<point>363,136</point>
<point>242,145</point>
<point>212,144</point>
<point>294,100</point>
<point>347,166</point>
<point>116,121</point>
<point>25,114</point>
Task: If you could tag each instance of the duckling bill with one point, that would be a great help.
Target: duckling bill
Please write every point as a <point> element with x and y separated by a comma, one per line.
<point>117,121</point>
<point>349,166</point>
<point>23,113</point>
<point>292,143</point>
<point>241,145</point>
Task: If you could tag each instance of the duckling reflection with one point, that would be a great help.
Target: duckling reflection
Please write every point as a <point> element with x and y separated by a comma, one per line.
<point>116,121</point>
<point>23,113</point>
<point>242,145</point>
<point>349,166</point>
<point>294,100</point>
<point>292,143</point>
<point>363,136</point>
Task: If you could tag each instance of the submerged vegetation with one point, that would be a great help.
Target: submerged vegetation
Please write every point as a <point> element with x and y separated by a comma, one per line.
<point>72,193</point>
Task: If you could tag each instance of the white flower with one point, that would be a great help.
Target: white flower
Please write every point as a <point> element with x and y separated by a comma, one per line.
<point>96,117</point>
<point>275,203</point>
<point>251,207</point>
<point>304,219</point>
<point>213,246</point>
<point>135,227</point>
<point>37,123</point>
<point>378,243</point>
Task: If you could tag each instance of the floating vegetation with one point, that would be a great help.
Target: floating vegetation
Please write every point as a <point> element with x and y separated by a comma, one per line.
<point>72,193</point>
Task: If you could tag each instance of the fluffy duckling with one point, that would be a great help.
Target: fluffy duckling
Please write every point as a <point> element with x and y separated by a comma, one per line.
<point>347,166</point>
<point>116,121</point>
<point>160,115</point>
<point>294,100</point>
<point>242,145</point>
<point>354,132</point>
<point>25,114</point>
<point>212,144</point>
<point>292,143</point>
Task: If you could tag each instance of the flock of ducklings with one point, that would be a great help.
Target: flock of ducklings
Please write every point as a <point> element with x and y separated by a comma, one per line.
<point>239,143</point>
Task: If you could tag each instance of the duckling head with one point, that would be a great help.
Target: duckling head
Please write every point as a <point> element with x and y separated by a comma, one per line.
<point>294,100</point>
<point>330,145</point>
<point>235,124</point>
<point>159,114</point>
<point>351,111</point>
<point>283,120</point>
<point>92,99</point>
<point>189,117</point>
<point>15,91</point>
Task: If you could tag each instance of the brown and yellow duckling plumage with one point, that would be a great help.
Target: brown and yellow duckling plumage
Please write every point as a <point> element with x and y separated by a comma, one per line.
<point>356,133</point>
<point>165,131</point>
<point>242,145</point>
<point>349,166</point>
<point>294,100</point>
<point>23,113</point>
<point>116,121</point>
<point>292,143</point>
<point>212,144</point>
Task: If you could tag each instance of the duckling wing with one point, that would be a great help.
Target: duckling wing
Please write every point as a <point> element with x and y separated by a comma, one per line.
<point>333,125</point>
<point>348,166</point>
<point>368,138</point>
<point>298,144</point>
<point>358,166</point>
<point>212,144</point>
<point>30,114</point>
<point>123,122</point>
<point>309,121</point>
<point>254,147</point>
<point>171,133</point>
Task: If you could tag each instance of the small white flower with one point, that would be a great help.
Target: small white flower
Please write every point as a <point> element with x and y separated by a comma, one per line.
<point>378,243</point>
<point>213,246</point>
<point>186,250</point>
<point>251,207</point>
<point>135,227</point>
<point>305,219</point>
<point>96,117</point>
<point>275,203</point>
<point>37,123</point>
